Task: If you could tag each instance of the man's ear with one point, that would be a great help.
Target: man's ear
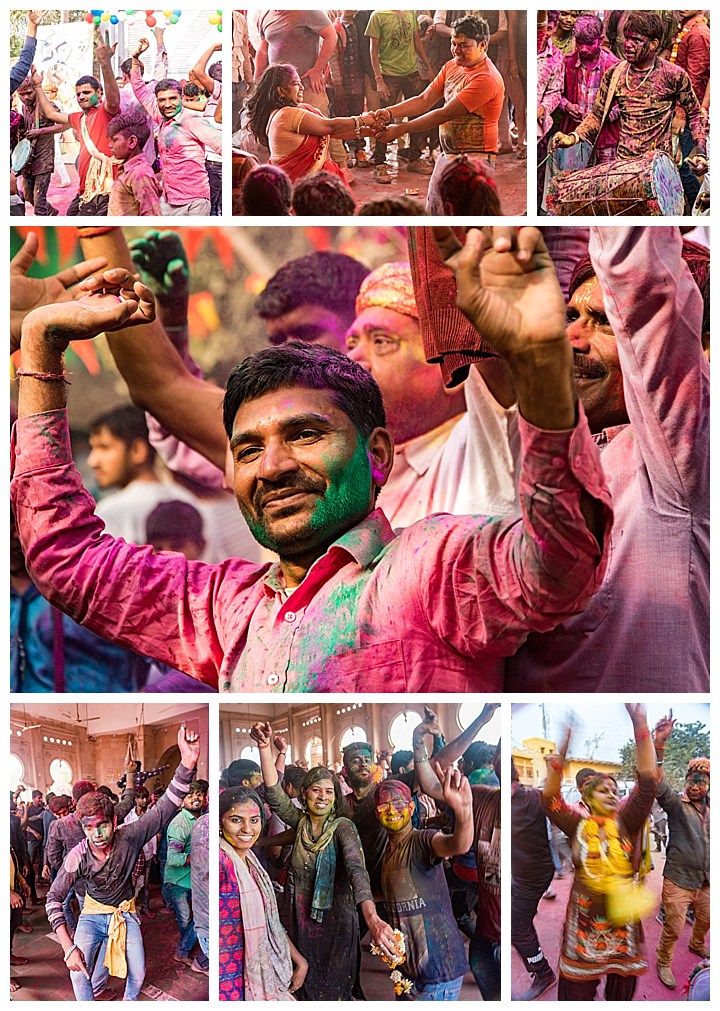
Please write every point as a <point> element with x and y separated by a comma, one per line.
<point>381,451</point>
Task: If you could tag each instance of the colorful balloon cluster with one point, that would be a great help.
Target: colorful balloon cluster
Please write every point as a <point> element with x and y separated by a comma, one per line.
<point>171,17</point>
<point>216,19</point>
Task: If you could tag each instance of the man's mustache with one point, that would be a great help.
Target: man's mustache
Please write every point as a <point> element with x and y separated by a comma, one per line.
<point>267,491</point>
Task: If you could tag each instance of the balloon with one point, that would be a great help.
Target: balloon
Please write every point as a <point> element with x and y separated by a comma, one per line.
<point>121,15</point>
<point>167,13</point>
<point>173,19</point>
<point>177,13</point>
<point>150,21</point>
<point>214,19</point>
<point>96,20</point>
<point>219,27</point>
<point>105,16</point>
<point>89,18</point>
<point>131,19</point>
<point>150,13</point>
<point>114,19</point>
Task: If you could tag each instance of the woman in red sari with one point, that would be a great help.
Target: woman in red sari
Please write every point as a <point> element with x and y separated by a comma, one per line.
<point>297,135</point>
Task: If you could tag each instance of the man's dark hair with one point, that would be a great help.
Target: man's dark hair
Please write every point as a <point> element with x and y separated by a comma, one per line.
<point>142,791</point>
<point>349,385</point>
<point>240,769</point>
<point>392,207</point>
<point>478,755</point>
<point>581,775</point>
<point>88,79</point>
<point>127,423</point>
<point>473,27</point>
<point>131,124</point>
<point>60,803</point>
<point>646,23</point>
<point>215,70</point>
<point>192,90</point>
<point>107,792</point>
<point>37,793</point>
<point>400,760</point>
<point>175,521</point>
<point>95,805</point>
<point>328,279</point>
<point>126,66</point>
<point>294,775</point>
<point>204,785</point>
<point>322,193</point>
<point>82,787</point>
<point>168,84</point>
<point>467,186</point>
<point>267,190</point>
<point>199,786</point>
<point>588,28</point>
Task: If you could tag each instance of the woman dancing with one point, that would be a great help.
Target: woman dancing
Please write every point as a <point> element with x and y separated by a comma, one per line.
<point>297,135</point>
<point>327,879</point>
<point>603,935</point>
<point>257,961</point>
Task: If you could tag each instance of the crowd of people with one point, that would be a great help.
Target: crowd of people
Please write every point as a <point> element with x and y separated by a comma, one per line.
<point>147,143</point>
<point>100,852</point>
<point>396,846</point>
<point>402,395</point>
<point>318,94</point>
<point>611,854</point>
<point>623,112</point>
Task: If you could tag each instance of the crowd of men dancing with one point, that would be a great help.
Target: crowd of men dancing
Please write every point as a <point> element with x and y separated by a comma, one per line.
<point>318,94</point>
<point>100,852</point>
<point>147,144</point>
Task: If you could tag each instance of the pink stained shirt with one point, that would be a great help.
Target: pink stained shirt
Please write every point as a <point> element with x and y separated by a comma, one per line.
<point>436,607</point>
<point>648,628</point>
<point>182,143</point>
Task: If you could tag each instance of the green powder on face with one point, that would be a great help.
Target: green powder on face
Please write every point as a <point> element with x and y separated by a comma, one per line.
<point>348,493</point>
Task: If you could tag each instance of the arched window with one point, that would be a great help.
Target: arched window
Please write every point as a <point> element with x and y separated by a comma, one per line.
<point>251,752</point>
<point>61,775</point>
<point>469,711</point>
<point>352,734</point>
<point>314,752</point>
<point>17,772</point>
<point>401,730</point>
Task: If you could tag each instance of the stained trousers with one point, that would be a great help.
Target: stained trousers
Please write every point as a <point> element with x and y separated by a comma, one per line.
<point>524,899</point>
<point>677,901</point>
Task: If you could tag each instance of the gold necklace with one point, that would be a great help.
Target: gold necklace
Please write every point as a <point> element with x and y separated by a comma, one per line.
<point>643,79</point>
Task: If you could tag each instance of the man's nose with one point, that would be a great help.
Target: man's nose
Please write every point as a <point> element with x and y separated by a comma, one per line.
<point>577,333</point>
<point>276,460</point>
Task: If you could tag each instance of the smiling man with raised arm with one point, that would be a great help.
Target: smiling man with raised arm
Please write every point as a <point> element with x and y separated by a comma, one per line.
<point>350,605</point>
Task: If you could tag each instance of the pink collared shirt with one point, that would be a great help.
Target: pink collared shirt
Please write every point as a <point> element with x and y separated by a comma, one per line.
<point>436,607</point>
<point>182,143</point>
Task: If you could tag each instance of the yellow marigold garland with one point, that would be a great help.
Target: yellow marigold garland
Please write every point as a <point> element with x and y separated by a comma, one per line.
<point>400,984</point>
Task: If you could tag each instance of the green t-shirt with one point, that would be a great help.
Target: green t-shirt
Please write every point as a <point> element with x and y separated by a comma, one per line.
<point>394,31</point>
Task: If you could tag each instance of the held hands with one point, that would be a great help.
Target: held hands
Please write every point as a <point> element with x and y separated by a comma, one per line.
<point>507,287</point>
<point>189,745</point>
<point>262,734</point>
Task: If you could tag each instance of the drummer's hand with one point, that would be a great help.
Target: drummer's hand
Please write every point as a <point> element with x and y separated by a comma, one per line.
<point>697,163</point>
<point>563,140</point>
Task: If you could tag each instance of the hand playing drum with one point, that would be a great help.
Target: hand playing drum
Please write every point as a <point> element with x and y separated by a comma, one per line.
<point>697,163</point>
<point>564,140</point>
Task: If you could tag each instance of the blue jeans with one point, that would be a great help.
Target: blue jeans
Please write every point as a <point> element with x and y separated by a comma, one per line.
<point>181,904</point>
<point>436,991</point>
<point>690,182</point>
<point>485,965</point>
<point>204,942</point>
<point>90,937</point>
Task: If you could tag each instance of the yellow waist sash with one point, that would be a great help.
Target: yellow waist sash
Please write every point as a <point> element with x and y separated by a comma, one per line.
<point>115,961</point>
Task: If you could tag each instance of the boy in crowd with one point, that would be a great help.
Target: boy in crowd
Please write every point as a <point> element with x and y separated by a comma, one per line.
<point>135,190</point>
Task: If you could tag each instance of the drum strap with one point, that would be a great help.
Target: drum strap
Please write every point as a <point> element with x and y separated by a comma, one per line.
<point>608,102</point>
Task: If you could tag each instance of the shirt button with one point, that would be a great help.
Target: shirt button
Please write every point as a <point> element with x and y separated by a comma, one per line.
<point>558,462</point>
<point>579,460</point>
<point>273,679</point>
<point>290,616</point>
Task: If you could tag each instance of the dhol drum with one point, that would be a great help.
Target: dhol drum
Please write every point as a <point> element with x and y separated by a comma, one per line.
<point>649,185</point>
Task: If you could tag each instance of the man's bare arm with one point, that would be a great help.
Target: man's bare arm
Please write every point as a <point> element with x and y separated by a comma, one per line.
<point>201,76</point>
<point>157,378</point>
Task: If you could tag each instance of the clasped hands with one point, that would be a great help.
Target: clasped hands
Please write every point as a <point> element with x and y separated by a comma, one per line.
<point>377,123</point>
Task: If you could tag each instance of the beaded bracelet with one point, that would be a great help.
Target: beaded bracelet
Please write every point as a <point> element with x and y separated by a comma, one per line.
<point>68,953</point>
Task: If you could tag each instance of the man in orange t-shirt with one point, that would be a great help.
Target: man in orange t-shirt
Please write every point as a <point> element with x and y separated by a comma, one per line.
<point>473,91</point>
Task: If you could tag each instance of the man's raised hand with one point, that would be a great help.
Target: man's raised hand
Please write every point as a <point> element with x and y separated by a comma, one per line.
<point>160,257</point>
<point>189,745</point>
<point>104,52</point>
<point>507,287</point>
<point>455,787</point>
<point>142,45</point>
<point>262,734</point>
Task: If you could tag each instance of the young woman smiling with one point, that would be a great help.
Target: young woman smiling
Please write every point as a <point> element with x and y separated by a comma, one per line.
<point>327,880</point>
<point>257,961</point>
